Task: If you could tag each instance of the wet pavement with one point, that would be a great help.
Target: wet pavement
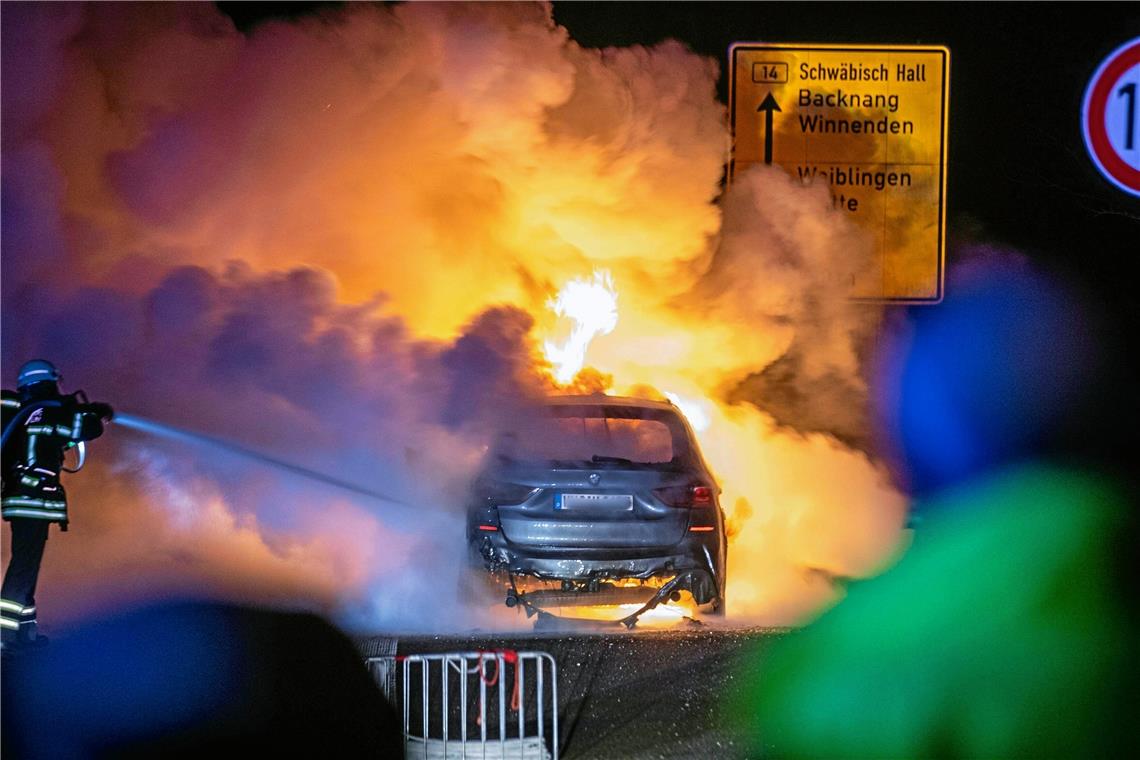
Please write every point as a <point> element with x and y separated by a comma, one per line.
<point>637,694</point>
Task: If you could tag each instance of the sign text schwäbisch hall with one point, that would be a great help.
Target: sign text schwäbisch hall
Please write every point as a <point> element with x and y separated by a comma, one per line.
<point>870,121</point>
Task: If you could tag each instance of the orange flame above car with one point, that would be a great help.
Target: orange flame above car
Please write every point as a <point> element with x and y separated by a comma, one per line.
<point>384,179</point>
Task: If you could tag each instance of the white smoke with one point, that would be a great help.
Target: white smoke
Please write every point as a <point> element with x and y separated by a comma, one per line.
<point>330,240</point>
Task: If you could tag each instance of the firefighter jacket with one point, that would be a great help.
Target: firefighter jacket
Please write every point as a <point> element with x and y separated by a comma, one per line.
<point>37,432</point>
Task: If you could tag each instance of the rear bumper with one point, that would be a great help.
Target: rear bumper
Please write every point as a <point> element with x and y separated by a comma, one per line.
<point>696,557</point>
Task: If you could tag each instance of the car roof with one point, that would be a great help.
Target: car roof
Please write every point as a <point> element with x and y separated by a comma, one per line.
<point>601,399</point>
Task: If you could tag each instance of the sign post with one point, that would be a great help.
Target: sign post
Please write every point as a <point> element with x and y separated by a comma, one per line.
<point>870,122</point>
<point>1109,119</point>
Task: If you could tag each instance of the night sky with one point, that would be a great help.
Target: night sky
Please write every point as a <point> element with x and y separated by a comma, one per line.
<point>1018,175</point>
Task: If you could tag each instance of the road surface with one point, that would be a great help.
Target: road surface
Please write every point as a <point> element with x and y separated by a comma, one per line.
<point>638,695</point>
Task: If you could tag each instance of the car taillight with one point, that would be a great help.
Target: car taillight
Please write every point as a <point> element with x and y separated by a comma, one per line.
<point>686,496</point>
<point>497,492</point>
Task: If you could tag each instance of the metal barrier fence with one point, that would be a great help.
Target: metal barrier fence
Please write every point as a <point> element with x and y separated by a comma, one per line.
<point>467,709</point>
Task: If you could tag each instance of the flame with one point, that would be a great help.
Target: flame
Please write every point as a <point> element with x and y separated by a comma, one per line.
<point>661,616</point>
<point>773,494</point>
<point>536,160</point>
<point>591,304</point>
<point>695,410</point>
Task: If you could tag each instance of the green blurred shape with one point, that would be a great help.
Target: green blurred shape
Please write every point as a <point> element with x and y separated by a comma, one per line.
<point>1004,631</point>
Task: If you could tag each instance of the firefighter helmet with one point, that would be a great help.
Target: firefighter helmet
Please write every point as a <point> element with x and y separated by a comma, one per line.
<point>37,371</point>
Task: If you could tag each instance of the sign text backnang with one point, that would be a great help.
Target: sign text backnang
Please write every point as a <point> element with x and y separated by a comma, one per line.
<point>871,122</point>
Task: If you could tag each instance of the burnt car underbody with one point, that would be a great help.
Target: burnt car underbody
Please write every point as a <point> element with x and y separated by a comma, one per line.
<point>600,582</point>
<point>599,528</point>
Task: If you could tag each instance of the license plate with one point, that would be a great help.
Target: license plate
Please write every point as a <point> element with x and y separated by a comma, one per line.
<point>607,501</point>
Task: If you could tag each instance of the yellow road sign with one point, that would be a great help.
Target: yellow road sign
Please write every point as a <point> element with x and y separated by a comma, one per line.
<point>868,120</point>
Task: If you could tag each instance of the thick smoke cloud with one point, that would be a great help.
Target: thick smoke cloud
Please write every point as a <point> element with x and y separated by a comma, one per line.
<point>274,362</point>
<point>332,241</point>
<point>797,289</point>
<point>378,144</point>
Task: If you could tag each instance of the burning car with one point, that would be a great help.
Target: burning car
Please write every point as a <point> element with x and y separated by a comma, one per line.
<point>599,500</point>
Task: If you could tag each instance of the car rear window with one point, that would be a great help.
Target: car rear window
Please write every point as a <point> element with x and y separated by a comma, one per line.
<point>592,435</point>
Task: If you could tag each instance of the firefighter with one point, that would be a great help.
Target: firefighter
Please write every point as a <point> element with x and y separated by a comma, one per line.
<point>40,424</point>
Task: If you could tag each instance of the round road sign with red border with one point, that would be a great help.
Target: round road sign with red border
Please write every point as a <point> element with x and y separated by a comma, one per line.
<point>1110,117</point>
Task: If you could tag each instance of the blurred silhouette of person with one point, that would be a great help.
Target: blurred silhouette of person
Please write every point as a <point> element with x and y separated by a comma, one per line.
<point>1008,628</point>
<point>197,679</point>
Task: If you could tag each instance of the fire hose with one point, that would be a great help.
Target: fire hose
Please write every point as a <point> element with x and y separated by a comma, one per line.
<point>144,425</point>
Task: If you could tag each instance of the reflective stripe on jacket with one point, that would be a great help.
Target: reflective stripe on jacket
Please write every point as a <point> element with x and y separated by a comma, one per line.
<point>44,430</point>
